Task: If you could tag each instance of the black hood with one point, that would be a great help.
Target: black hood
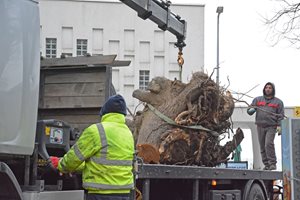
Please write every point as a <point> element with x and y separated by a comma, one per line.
<point>273,86</point>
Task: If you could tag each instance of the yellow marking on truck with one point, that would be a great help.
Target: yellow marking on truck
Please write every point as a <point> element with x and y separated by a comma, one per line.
<point>47,130</point>
<point>297,112</point>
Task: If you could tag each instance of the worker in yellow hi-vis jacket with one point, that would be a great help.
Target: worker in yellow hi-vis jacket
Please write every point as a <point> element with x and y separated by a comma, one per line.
<point>104,152</point>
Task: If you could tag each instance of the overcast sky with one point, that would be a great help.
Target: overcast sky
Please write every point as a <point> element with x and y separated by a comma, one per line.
<point>246,56</point>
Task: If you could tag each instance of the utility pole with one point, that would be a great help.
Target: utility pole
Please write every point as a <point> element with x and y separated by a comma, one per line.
<point>219,11</point>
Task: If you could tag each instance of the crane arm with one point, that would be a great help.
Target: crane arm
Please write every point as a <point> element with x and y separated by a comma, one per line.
<point>159,12</point>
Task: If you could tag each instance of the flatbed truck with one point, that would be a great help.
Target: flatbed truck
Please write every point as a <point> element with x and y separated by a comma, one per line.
<point>23,142</point>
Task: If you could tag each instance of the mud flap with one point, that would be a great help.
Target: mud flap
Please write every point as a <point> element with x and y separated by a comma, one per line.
<point>9,186</point>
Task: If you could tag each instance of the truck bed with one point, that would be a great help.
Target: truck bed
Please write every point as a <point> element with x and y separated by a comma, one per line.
<point>161,182</point>
<point>158,171</point>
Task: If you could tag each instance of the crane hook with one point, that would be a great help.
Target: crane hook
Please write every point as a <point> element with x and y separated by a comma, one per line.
<point>180,61</point>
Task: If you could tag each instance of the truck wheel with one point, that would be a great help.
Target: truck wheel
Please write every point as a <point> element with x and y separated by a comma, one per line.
<point>256,193</point>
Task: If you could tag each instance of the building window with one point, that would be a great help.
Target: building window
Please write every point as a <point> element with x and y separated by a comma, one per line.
<point>50,47</point>
<point>81,47</point>
<point>144,79</point>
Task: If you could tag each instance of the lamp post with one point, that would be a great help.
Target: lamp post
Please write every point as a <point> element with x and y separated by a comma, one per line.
<point>219,11</point>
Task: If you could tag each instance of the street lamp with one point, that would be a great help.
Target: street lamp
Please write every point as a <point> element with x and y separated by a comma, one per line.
<point>219,11</point>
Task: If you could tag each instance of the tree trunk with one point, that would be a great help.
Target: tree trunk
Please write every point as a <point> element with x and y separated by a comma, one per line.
<point>197,103</point>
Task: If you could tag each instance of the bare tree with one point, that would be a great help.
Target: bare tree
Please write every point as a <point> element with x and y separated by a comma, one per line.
<point>285,23</point>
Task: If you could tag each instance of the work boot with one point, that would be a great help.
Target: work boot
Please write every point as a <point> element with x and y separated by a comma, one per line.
<point>266,167</point>
<point>272,167</point>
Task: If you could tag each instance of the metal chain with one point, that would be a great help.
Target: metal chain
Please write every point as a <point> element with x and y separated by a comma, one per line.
<point>180,62</point>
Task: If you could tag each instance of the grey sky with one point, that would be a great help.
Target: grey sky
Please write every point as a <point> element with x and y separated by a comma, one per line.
<point>246,56</point>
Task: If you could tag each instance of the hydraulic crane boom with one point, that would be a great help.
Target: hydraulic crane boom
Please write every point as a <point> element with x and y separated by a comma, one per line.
<point>159,12</point>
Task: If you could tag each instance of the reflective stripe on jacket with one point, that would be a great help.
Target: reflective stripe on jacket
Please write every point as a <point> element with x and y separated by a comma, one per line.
<point>104,153</point>
<point>273,105</point>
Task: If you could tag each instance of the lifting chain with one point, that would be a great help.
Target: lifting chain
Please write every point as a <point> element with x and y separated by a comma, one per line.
<point>180,62</point>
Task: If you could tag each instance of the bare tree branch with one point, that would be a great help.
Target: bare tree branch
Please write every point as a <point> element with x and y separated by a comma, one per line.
<point>285,23</point>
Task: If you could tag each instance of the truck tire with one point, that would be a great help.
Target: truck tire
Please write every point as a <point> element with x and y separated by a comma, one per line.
<point>256,193</point>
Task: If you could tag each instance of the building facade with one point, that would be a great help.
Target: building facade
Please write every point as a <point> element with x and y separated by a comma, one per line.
<point>78,27</point>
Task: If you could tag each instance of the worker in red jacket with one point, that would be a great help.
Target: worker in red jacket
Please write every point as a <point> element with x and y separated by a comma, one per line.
<point>269,113</point>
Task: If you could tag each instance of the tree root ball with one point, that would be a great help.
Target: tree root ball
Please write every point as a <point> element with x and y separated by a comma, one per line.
<point>198,103</point>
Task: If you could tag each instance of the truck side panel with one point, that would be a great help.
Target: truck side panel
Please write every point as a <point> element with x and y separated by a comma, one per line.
<point>19,75</point>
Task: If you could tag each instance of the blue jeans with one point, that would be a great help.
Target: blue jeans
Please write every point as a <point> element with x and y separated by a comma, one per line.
<point>108,197</point>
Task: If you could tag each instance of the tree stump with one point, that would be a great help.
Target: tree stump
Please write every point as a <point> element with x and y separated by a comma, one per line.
<point>198,103</point>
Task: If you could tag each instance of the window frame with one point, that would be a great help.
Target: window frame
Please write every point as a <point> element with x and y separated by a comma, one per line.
<point>144,79</point>
<point>81,47</point>
<point>51,48</point>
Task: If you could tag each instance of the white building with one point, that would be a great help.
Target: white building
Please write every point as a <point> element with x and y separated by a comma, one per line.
<point>76,27</point>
